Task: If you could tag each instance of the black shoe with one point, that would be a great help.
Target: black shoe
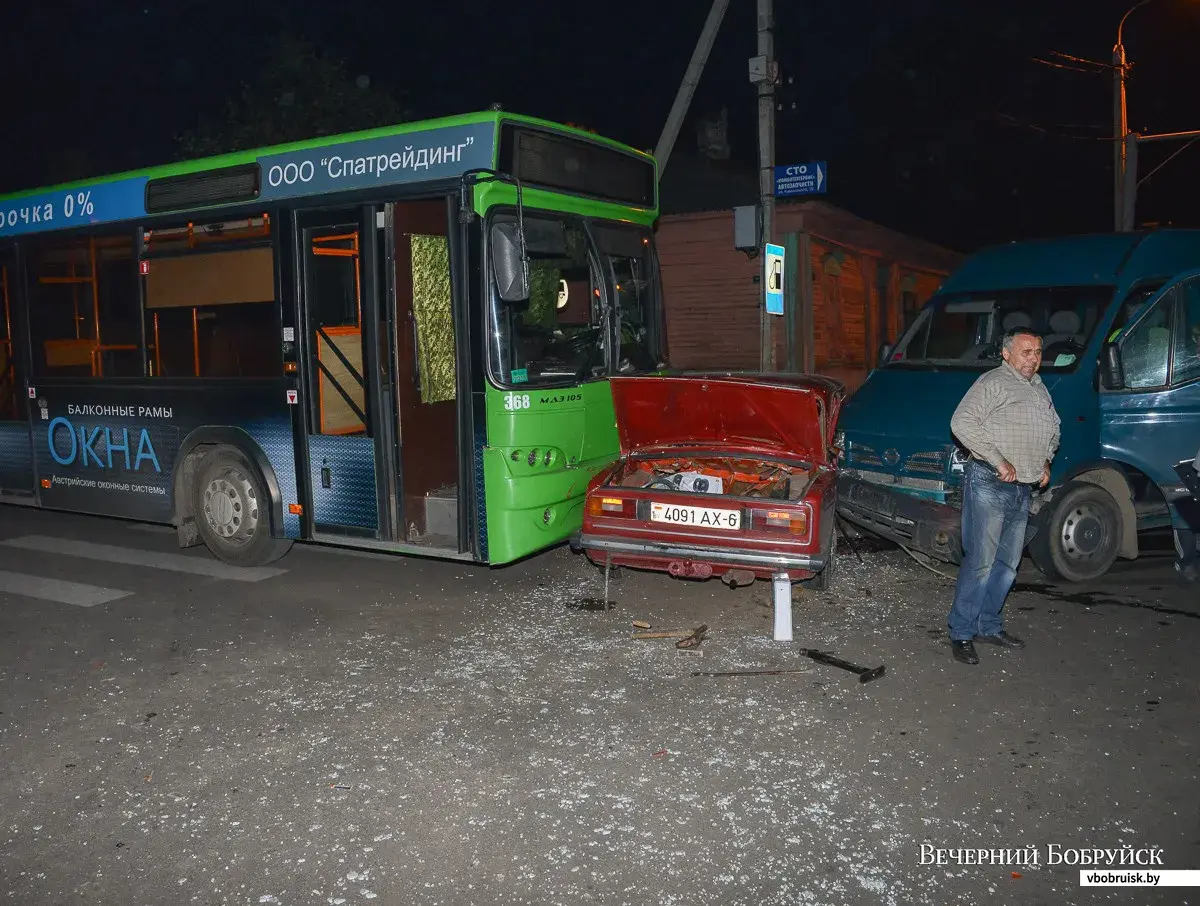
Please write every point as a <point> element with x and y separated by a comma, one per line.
<point>1189,569</point>
<point>1002,639</point>
<point>965,652</point>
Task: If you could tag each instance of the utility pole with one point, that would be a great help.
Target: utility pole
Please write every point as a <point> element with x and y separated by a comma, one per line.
<point>764,74</point>
<point>687,88</point>
<point>1120,130</point>
<point>1129,174</point>
<point>1131,143</point>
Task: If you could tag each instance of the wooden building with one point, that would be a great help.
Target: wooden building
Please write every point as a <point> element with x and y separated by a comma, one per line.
<point>850,284</point>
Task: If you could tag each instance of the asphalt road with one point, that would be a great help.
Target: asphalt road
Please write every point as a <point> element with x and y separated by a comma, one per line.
<point>348,728</point>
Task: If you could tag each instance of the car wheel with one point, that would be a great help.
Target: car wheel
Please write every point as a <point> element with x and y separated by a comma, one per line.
<point>1078,535</point>
<point>824,580</point>
<point>232,510</point>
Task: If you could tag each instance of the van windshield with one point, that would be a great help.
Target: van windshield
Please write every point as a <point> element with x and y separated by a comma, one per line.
<point>964,330</point>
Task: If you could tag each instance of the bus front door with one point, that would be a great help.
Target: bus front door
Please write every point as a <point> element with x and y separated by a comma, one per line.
<point>348,469</point>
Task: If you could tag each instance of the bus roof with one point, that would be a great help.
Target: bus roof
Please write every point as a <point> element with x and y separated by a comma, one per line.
<point>405,153</point>
<point>1099,259</point>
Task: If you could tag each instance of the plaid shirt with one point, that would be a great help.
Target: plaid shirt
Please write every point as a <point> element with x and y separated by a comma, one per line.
<point>1005,417</point>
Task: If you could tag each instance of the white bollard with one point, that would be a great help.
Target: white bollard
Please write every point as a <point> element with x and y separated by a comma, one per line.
<point>783,607</point>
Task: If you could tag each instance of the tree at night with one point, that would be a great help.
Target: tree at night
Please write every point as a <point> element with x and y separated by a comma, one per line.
<point>300,93</point>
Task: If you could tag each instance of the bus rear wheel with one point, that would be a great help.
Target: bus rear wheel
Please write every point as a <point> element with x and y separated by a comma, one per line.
<point>232,510</point>
<point>1079,534</point>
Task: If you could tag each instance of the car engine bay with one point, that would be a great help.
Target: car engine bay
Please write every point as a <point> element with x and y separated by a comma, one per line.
<point>725,476</point>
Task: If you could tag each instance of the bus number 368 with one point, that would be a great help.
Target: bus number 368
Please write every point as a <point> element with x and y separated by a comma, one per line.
<point>516,401</point>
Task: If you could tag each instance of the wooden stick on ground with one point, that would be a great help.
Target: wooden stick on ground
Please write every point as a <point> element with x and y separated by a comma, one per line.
<point>664,634</point>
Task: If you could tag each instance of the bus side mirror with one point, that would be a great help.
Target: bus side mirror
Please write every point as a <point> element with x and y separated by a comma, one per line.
<point>885,350</point>
<point>509,264</point>
<point>1112,372</point>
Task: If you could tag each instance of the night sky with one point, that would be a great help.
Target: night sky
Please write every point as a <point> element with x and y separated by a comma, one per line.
<point>932,114</point>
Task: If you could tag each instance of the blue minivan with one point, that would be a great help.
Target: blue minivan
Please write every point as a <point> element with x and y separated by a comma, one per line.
<point>1119,316</point>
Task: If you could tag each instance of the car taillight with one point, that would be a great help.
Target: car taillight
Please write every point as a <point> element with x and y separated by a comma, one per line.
<point>612,506</point>
<point>793,521</point>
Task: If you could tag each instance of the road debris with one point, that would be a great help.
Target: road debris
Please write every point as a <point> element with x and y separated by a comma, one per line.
<point>664,634</point>
<point>693,640</point>
<point>688,638</point>
<point>592,604</point>
<point>776,672</point>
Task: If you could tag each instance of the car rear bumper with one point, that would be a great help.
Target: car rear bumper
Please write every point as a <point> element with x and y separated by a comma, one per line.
<point>663,553</point>
<point>932,528</point>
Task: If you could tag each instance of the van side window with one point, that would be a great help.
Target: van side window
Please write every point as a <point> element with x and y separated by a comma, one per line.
<point>1146,351</point>
<point>1185,364</point>
<point>1137,297</point>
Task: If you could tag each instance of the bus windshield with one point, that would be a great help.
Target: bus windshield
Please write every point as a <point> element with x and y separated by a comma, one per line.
<point>585,290</point>
<point>964,330</point>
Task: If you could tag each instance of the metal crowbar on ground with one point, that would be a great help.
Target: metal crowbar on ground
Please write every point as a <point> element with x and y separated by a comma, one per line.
<point>865,674</point>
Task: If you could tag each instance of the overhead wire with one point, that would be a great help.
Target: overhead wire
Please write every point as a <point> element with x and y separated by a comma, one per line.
<point>1048,130</point>
<point>1168,160</point>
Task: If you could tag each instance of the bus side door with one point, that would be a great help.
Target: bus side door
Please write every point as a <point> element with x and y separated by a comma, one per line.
<point>339,307</point>
<point>16,447</point>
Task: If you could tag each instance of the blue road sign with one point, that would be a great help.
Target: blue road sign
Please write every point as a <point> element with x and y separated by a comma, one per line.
<point>773,278</point>
<point>800,179</point>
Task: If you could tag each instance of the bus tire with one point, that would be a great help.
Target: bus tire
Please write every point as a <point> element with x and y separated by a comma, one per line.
<point>1079,534</point>
<point>233,510</point>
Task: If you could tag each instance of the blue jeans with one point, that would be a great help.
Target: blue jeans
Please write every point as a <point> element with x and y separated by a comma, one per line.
<point>994,514</point>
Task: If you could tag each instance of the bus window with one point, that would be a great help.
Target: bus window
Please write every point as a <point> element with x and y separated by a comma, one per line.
<point>210,300</point>
<point>628,257</point>
<point>558,334</point>
<point>432,316</point>
<point>335,313</point>
<point>84,308</point>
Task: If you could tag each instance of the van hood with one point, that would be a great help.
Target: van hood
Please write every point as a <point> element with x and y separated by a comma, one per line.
<point>900,413</point>
<point>779,415</point>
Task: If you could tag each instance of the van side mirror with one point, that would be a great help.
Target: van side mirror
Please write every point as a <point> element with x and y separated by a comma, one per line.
<point>1112,372</point>
<point>509,263</point>
<point>885,350</point>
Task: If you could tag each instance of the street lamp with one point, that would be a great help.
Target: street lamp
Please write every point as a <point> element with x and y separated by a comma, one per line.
<point>1121,124</point>
<point>1120,121</point>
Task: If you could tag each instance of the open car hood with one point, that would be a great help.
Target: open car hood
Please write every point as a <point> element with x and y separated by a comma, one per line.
<point>782,415</point>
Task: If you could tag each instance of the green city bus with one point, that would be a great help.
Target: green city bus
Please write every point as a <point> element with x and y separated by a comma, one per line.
<point>397,339</point>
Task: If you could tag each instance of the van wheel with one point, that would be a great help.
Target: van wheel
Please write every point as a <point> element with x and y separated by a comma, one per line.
<point>1079,534</point>
<point>232,510</point>
<point>824,580</point>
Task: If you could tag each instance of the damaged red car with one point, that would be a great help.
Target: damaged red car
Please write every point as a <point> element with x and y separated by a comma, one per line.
<point>720,475</point>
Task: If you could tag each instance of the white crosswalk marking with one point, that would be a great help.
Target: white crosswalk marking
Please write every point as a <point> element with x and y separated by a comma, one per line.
<point>110,553</point>
<point>57,590</point>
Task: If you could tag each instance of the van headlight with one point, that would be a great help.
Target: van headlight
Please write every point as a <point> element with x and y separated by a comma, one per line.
<point>839,443</point>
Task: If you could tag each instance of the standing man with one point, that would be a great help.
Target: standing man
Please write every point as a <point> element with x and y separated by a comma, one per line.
<point>1188,564</point>
<point>1008,423</point>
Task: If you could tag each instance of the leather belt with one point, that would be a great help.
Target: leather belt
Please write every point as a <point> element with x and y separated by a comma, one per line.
<point>992,470</point>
